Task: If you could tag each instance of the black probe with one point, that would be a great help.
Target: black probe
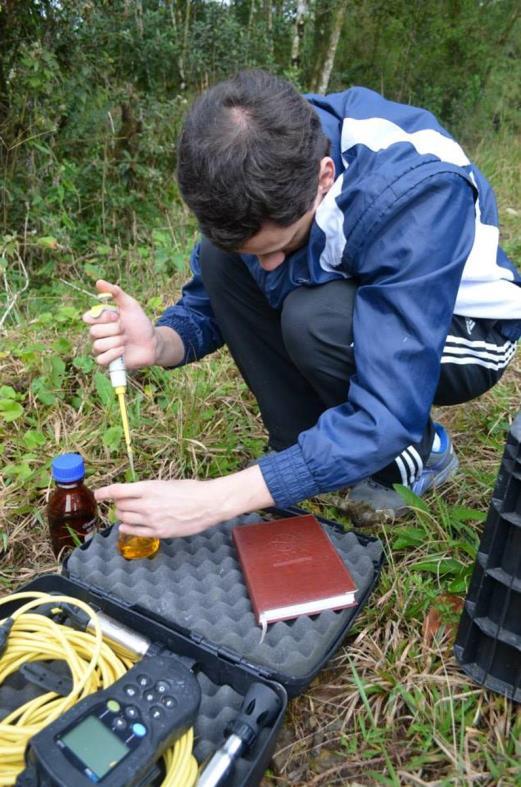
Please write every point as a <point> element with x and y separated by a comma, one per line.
<point>259,707</point>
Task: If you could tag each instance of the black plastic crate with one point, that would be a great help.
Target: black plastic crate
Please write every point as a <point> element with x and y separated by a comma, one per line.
<point>510,469</point>
<point>488,642</point>
<point>501,541</point>
<point>487,659</point>
<point>497,603</point>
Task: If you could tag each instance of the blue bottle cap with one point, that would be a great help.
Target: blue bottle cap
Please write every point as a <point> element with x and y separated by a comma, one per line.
<point>68,468</point>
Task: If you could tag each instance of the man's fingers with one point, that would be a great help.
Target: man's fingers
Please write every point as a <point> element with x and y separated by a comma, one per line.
<point>120,297</point>
<point>107,343</point>
<point>107,357</point>
<point>129,517</point>
<point>102,331</point>
<point>118,491</point>
<point>109,312</point>
<point>106,286</point>
<point>133,505</point>
<point>106,316</point>
<point>136,530</point>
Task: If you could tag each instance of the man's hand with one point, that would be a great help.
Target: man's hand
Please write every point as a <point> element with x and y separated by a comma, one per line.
<point>130,333</point>
<point>127,332</point>
<point>165,509</point>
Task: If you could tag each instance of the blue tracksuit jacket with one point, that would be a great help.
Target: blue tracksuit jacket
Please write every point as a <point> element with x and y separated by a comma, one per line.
<point>415,223</point>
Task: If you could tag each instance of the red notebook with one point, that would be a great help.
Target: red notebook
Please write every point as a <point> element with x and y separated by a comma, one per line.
<point>291,568</point>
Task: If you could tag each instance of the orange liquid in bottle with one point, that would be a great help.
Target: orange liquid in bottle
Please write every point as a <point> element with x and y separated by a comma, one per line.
<point>134,547</point>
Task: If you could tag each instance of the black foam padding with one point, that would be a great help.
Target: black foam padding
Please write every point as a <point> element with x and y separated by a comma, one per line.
<point>220,705</point>
<point>195,585</point>
<point>15,691</point>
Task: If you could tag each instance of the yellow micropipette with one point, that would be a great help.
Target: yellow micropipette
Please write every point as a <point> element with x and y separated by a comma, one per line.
<point>131,547</point>
<point>118,377</point>
<point>120,391</point>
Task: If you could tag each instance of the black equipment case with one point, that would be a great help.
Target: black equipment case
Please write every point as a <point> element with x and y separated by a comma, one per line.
<point>191,598</point>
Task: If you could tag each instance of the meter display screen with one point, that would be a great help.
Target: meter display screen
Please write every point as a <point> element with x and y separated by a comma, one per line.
<point>95,745</point>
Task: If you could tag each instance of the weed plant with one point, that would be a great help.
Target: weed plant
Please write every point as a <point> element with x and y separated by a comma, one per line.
<point>392,706</point>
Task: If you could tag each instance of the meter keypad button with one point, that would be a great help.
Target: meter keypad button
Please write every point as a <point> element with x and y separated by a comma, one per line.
<point>150,696</point>
<point>120,723</point>
<point>113,705</point>
<point>168,702</point>
<point>156,712</point>
<point>161,687</point>
<point>130,690</point>
<point>144,681</point>
<point>139,729</point>
<point>131,712</point>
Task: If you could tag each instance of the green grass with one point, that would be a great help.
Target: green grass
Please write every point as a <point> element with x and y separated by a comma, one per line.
<point>391,707</point>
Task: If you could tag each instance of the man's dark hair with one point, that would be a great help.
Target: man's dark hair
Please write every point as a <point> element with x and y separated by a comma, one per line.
<point>249,151</point>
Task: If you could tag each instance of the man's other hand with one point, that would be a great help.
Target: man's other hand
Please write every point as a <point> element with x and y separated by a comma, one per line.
<point>165,509</point>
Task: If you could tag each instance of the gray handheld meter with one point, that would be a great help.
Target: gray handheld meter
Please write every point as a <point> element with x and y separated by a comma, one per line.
<point>115,736</point>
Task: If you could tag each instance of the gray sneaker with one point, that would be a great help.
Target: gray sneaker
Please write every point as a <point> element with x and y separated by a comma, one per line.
<point>369,500</point>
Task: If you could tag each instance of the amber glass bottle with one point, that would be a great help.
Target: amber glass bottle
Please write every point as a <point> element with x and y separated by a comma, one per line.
<point>71,509</point>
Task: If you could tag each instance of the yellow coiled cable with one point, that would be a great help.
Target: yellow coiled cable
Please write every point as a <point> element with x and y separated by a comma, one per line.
<point>93,665</point>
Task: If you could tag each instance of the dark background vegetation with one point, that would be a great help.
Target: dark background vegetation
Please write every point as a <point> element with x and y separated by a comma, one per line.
<point>92,93</point>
